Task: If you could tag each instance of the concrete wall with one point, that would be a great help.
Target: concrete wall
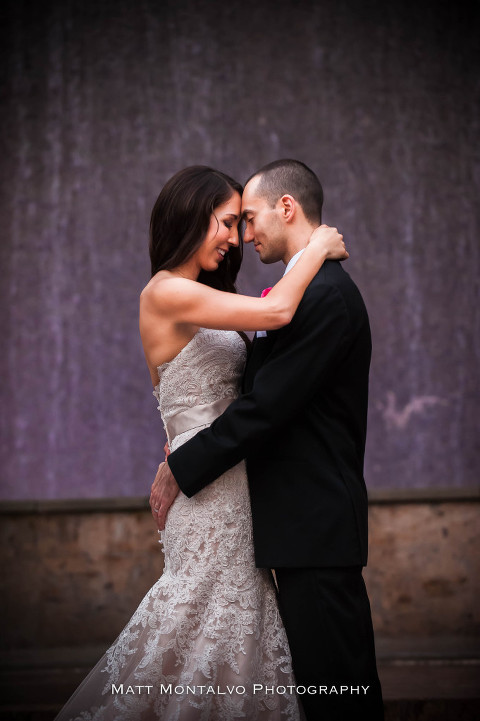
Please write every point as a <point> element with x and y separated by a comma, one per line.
<point>103,101</point>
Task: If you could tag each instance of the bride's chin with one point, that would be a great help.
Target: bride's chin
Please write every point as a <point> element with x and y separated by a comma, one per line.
<point>214,265</point>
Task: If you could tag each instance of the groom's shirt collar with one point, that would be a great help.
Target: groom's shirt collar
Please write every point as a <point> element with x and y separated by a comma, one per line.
<point>290,264</point>
<point>293,260</point>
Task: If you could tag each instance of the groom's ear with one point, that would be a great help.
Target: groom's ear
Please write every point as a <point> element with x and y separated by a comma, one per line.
<point>288,207</point>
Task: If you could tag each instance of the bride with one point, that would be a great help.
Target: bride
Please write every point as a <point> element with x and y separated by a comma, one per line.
<point>207,642</point>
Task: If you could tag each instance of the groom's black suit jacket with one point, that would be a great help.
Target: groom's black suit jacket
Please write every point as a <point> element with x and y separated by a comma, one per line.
<point>301,425</point>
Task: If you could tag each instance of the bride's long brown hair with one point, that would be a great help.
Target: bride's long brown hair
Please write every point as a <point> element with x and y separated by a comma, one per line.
<point>181,218</point>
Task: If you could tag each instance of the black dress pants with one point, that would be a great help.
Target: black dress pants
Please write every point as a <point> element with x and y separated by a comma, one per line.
<point>327,618</point>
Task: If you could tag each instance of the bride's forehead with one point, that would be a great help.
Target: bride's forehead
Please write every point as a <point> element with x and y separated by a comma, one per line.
<point>232,205</point>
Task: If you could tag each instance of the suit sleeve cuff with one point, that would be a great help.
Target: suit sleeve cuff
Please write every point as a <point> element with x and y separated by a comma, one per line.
<point>179,468</point>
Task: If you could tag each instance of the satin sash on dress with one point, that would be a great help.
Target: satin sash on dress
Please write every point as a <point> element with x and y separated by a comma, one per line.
<point>194,417</point>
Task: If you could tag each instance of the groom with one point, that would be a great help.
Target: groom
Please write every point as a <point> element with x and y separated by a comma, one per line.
<point>301,426</point>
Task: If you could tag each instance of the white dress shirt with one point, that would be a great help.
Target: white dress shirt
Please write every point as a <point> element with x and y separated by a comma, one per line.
<point>290,264</point>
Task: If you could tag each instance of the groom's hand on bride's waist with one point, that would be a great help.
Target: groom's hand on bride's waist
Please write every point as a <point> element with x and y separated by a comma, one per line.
<point>164,491</point>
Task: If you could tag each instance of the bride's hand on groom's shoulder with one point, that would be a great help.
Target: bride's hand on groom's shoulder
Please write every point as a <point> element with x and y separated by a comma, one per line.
<point>164,491</point>
<point>330,241</point>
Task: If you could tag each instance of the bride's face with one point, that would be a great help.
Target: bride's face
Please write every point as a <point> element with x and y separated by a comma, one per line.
<point>222,234</point>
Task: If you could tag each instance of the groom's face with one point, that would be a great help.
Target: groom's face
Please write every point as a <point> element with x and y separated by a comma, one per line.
<point>263,225</point>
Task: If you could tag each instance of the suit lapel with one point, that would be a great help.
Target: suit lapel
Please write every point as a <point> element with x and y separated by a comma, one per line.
<point>261,347</point>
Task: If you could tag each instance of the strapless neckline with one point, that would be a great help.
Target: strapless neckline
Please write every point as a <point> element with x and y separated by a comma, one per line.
<point>208,368</point>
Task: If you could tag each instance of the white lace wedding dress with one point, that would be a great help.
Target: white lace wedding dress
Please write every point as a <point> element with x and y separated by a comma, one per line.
<point>207,640</point>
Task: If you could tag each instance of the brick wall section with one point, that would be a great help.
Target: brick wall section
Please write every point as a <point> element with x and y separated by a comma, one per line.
<point>423,572</point>
<point>74,577</point>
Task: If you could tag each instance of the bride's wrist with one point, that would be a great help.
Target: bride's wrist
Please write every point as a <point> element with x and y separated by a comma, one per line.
<point>318,251</point>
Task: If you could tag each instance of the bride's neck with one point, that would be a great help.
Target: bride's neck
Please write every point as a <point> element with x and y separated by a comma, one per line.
<point>188,270</point>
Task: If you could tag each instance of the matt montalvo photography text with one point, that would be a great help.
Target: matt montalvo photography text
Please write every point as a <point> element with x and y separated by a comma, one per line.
<point>201,690</point>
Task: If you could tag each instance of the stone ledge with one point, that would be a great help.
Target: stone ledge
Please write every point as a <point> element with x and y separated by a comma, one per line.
<point>422,679</point>
<point>377,496</point>
<point>34,687</point>
<point>405,651</point>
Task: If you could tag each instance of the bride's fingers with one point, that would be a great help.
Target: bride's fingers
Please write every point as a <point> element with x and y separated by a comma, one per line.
<point>154,502</point>
<point>163,509</point>
<point>161,518</point>
<point>154,508</point>
<point>159,510</point>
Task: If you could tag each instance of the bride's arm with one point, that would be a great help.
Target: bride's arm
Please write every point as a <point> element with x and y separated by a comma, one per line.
<point>186,301</point>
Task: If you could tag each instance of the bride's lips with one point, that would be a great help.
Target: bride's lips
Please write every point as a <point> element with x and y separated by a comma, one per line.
<point>222,252</point>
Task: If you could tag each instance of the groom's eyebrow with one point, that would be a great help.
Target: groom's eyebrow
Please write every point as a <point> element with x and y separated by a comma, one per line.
<point>246,212</point>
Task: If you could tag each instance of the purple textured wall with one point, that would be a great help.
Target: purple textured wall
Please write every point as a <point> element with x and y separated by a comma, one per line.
<point>102,102</point>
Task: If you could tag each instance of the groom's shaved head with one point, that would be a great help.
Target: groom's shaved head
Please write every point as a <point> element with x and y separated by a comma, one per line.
<point>293,178</point>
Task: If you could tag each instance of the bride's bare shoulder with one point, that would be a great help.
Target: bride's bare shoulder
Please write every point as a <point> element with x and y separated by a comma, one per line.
<point>156,284</point>
<point>165,290</point>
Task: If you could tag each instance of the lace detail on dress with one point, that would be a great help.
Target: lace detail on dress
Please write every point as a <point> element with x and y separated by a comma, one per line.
<point>209,629</point>
<point>193,376</point>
